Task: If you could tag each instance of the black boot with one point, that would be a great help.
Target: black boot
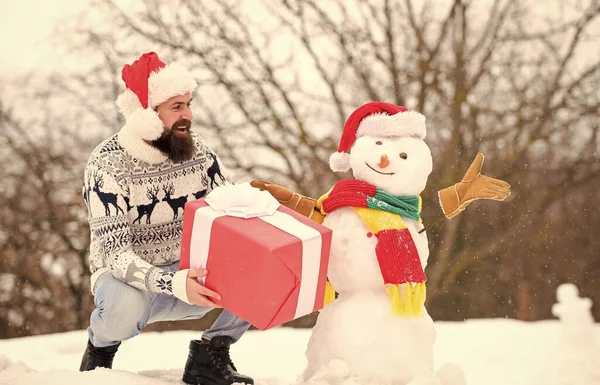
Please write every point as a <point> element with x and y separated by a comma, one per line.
<point>209,364</point>
<point>94,357</point>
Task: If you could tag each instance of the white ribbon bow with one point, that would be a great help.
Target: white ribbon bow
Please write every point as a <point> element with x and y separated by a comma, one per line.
<point>242,200</point>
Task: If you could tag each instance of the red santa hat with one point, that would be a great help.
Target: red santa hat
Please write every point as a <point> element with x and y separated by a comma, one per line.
<point>376,119</point>
<point>150,82</point>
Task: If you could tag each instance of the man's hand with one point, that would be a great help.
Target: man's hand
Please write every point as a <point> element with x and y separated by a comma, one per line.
<point>455,199</point>
<point>198,294</point>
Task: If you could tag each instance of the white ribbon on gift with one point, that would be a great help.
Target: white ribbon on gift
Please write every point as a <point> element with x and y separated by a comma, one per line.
<point>242,200</point>
<point>245,201</point>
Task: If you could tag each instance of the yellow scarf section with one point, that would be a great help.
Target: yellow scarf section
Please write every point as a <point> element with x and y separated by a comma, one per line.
<point>408,299</point>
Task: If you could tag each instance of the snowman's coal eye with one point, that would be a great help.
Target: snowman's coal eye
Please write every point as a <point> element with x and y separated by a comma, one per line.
<point>379,143</point>
<point>403,155</point>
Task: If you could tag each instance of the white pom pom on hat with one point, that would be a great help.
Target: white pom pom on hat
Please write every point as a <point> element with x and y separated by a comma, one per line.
<point>376,119</point>
<point>149,83</point>
<point>339,161</point>
<point>145,123</point>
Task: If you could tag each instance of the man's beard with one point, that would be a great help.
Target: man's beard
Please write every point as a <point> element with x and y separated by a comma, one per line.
<point>178,146</point>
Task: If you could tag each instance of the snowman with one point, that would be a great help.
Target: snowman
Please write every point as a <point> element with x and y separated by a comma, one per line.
<point>378,330</point>
<point>573,311</point>
<point>574,357</point>
<point>577,322</point>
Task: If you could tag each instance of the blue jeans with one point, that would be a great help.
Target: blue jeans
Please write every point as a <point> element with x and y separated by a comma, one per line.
<point>122,311</point>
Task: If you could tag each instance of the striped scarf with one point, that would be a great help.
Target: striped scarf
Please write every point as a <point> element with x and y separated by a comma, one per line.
<point>396,252</point>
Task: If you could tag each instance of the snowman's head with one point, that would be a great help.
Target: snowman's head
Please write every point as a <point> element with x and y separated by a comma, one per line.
<point>398,165</point>
<point>383,145</point>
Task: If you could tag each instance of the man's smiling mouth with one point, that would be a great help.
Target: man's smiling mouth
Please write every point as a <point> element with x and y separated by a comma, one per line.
<point>379,172</point>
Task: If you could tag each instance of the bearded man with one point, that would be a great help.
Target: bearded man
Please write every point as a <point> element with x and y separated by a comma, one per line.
<point>136,184</point>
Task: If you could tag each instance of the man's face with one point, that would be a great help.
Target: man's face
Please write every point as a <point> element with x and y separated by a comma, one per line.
<point>174,109</point>
<point>176,141</point>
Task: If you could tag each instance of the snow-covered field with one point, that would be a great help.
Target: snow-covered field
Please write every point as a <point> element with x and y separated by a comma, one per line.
<point>491,352</point>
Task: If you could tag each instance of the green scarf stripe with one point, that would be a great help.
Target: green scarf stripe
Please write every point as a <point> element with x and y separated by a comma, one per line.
<point>406,206</point>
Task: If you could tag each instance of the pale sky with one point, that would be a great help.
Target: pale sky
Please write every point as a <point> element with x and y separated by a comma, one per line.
<point>25,32</point>
<point>26,28</point>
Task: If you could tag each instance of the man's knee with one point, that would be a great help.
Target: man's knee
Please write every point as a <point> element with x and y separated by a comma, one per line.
<point>122,311</point>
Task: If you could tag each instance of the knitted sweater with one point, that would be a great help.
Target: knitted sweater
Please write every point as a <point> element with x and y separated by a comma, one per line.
<point>135,197</point>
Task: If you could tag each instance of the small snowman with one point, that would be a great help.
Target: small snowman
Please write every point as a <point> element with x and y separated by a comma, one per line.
<point>378,330</point>
<point>575,359</point>
<point>575,317</point>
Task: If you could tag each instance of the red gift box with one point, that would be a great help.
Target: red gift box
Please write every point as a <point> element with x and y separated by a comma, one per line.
<point>268,269</point>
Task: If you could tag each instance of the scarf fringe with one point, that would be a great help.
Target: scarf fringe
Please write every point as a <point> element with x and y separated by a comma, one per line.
<point>329,294</point>
<point>413,301</point>
<point>408,306</point>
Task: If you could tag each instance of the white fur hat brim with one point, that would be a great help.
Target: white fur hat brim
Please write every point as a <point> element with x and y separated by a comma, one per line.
<point>172,80</point>
<point>409,123</point>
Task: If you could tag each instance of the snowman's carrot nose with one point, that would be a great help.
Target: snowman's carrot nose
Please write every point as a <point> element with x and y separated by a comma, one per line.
<point>384,161</point>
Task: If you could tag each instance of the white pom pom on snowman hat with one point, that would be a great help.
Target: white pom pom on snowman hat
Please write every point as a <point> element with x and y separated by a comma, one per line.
<point>376,119</point>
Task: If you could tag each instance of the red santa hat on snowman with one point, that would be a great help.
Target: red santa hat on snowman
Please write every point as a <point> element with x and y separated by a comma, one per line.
<point>149,83</point>
<point>377,119</point>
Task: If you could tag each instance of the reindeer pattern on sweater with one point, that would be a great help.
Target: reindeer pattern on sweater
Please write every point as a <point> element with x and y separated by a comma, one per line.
<point>135,210</point>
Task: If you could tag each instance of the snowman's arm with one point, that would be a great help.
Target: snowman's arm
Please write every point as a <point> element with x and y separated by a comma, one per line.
<point>473,186</point>
<point>304,205</point>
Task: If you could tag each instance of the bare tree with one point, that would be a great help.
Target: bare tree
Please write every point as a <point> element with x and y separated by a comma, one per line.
<point>498,79</point>
<point>44,240</point>
<point>278,80</point>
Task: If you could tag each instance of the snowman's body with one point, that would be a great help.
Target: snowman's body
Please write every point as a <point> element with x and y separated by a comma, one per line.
<point>353,263</point>
<point>358,329</point>
<point>357,339</point>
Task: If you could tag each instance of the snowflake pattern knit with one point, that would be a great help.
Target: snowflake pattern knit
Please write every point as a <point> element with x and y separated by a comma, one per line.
<point>135,210</point>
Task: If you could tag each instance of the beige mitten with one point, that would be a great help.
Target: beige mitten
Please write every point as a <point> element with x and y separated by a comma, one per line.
<point>456,198</point>
<point>299,203</point>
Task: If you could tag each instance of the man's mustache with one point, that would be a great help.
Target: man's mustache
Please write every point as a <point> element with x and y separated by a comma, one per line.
<point>182,124</point>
